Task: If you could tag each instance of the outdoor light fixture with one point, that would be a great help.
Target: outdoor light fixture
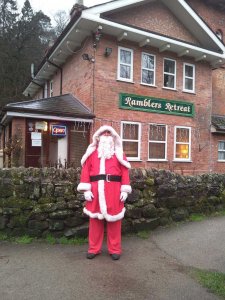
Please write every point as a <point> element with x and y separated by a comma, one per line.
<point>108,51</point>
<point>86,56</point>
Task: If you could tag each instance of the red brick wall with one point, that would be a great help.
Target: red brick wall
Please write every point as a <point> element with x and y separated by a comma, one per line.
<point>155,17</point>
<point>19,129</point>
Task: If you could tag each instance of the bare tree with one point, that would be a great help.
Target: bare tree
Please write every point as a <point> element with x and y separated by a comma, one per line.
<point>61,19</point>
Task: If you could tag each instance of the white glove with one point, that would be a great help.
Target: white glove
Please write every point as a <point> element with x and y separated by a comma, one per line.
<point>123,196</point>
<point>88,196</point>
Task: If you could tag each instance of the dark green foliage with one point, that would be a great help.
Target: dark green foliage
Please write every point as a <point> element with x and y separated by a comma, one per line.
<point>24,38</point>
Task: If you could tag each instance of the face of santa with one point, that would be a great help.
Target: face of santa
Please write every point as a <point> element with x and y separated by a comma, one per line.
<point>106,145</point>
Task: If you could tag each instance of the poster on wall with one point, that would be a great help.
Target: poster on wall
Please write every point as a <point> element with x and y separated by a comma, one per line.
<point>36,143</point>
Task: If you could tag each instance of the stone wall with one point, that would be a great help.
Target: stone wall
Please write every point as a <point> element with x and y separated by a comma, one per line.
<point>39,202</point>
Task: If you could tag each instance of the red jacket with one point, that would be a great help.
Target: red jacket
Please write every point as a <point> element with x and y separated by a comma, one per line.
<point>106,203</point>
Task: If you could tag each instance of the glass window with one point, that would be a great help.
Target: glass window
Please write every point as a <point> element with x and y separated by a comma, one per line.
<point>189,78</point>
<point>130,133</point>
<point>182,143</point>
<point>125,64</point>
<point>148,69</point>
<point>169,73</point>
<point>51,88</point>
<point>221,150</point>
<point>157,142</point>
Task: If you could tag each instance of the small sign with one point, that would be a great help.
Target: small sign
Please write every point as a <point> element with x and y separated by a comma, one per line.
<point>40,125</point>
<point>36,143</point>
<point>36,135</point>
<point>156,105</point>
<point>58,130</point>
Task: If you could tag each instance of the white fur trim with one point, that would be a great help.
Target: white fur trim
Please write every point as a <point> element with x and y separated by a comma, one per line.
<point>93,215</point>
<point>117,141</point>
<point>126,188</point>
<point>83,187</point>
<point>109,218</point>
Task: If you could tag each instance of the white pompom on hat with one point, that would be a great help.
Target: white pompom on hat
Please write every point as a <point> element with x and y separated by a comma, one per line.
<point>117,141</point>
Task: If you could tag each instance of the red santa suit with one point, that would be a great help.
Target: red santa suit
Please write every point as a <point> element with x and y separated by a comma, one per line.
<point>106,203</point>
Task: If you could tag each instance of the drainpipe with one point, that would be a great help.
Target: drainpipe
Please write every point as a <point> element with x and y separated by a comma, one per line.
<point>61,73</point>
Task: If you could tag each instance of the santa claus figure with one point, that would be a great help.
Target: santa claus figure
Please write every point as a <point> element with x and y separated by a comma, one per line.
<point>106,184</point>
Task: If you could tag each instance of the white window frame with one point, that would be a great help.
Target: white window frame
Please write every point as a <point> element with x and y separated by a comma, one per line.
<point>128,140</point>
<point>171,74</point>
<point>46,90</point>
<point>221,160</point>
<point>158,142</point>
<point>142,68</point>
<point>131,65</point>
<point>184,77</point>
<point>175,143</point>
<point>51,88</point>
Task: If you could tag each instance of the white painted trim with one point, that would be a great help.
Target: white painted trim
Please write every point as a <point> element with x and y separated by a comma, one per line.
<point>120,63</point>
<point>145,34</point>
<point>153,70</point>
<point>193,78</point>
<point>129,140</point>
<point>170,74</point>
<point>47,117</point>
<point>175,143</point>
<point>160,142</point>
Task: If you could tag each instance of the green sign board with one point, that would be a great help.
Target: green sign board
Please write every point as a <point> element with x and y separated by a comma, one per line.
<point>156,105</point>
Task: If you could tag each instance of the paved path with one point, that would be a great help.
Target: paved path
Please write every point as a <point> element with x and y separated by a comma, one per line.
<point>151,269</point>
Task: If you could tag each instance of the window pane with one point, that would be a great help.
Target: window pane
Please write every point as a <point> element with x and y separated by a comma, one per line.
<point>169,81</point>
<point>156,151</point>
<point>125,71</point>
<point>189,71</point>
<point>130,131</point>
<point>147,77</point>
<point>182,151</point>
<point>130,149</point>
<point>221,155</point>
<point>221,146</point>
<point>169,66</point>
<point>125,56</point>
<point>157,132</point>
<point>182,135</point>
<point>147,61</point>
<point>189,84</point>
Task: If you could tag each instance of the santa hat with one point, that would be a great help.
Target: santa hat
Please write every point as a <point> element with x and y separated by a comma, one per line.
<point>117,142</point>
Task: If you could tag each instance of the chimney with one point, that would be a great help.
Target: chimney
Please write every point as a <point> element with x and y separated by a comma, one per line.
<point>77,8</point>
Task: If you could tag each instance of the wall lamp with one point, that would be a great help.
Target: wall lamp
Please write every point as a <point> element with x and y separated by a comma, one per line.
<point>86,56</point>
<point>108,51</point>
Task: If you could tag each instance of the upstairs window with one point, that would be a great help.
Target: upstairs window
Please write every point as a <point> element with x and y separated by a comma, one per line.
<point>131,135</point>
<point>169,75</point>
<point>182,143</point>
<point>125,64</point>
<point>51,88</point>
<point>189,78</point>
<point>148,69</point>
<point>157,142</point>
<point>221,151</point>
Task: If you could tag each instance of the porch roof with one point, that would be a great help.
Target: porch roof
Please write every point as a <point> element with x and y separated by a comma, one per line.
<point>218,124</point>
<point>60,106</point>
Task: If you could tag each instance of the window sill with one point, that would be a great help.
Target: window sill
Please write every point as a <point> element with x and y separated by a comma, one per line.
<point>157,160</point>
<point>221,161</point>
<point>182,161</point>
<point>170,89</point>
<point>134,159</point>
<point>150,85</point>
<point>125,81</point>
<point>189,92</point>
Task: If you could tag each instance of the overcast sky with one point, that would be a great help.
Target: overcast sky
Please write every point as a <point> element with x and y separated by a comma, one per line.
<point>50,7</point>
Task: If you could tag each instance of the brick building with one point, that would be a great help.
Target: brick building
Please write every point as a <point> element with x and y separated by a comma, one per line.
<point>151,69</point>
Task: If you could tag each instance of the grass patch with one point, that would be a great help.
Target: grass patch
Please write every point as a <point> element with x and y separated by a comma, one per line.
<point>143,234</point>
<point>75,241</point>
<point>50,239</point>
<point>3,237</point>
<point>197,217</point>
<point>214,281</point>
<point>24,239</point>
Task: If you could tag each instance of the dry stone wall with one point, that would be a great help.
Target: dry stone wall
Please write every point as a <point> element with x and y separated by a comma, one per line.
<point>39,202</point>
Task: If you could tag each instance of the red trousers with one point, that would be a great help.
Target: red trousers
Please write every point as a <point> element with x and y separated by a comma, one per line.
<point>96,235</point>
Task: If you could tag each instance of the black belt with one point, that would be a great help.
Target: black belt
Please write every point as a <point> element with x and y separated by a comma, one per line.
<point>106,177</point>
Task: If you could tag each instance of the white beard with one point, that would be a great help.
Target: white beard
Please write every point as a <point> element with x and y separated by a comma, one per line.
<point>106,147</point>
